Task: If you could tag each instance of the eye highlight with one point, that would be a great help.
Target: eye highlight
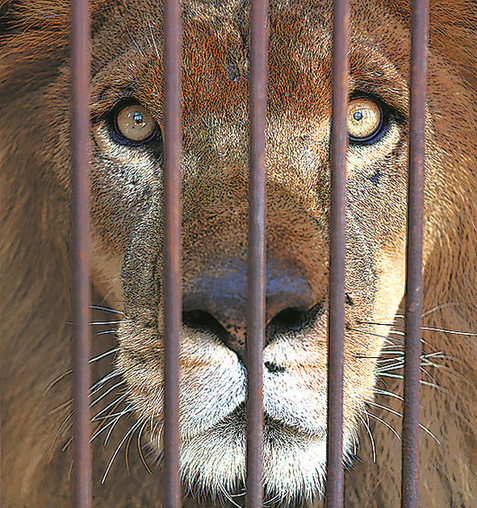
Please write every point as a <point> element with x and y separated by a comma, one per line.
<point>133,125</point>
<point>365,120</point>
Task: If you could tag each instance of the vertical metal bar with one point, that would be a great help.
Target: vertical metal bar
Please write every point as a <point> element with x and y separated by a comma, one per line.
<point>256,252</point>
<point>338,147</point>
<point>413,346</point>
<point>172,248</point>
<point>80,71</point>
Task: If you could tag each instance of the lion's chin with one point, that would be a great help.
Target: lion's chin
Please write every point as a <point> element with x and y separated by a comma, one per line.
<point>213,462</point>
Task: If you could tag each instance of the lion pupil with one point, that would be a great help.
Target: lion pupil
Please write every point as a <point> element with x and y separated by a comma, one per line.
<point>138,118</point>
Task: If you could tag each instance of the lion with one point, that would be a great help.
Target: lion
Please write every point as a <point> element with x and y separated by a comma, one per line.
<point>127,234</point>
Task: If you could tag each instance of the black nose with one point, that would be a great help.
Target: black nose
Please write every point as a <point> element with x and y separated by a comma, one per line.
<point>216,302</point>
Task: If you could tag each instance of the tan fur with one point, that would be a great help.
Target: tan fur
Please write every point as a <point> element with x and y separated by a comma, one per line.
<point>127,238</point>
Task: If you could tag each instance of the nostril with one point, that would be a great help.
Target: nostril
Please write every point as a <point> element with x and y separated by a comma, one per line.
<point>288,320</point>
<point>195,319</point>
<point>292,320</point>
<point>203,321</point>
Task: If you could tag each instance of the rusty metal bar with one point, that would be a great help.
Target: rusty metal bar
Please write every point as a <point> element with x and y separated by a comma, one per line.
<point>172,290</point>
<point>256,252</point>
<point>413,346</point>
<point>80,72</point>
<point>338,149</point>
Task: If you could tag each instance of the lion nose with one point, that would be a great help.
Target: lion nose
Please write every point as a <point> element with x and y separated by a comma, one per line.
<point>216,300</point>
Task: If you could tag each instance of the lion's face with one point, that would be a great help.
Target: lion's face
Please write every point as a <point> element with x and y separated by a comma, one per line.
<point>128,231</point>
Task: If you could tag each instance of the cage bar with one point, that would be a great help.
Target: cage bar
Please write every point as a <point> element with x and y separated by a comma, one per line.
<point>81,292</point>
<point>172,281</point>
<point>413,346</point>
<point>256,252</point>
<point>338,149</point>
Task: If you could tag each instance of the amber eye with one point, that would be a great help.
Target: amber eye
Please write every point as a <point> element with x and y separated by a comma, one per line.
<point>365,120</point>
<point>134,125</point>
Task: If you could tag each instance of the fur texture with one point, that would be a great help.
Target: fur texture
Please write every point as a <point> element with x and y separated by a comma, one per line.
<point>127,239</point>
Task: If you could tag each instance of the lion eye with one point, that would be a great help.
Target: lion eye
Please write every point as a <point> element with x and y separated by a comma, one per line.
<point>365,119</point>
<point>134,125</point>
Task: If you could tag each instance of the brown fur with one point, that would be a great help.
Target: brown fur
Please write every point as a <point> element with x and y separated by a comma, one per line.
<point>127,235</point>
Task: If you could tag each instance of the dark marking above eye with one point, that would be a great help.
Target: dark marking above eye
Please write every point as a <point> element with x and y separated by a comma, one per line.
<point>375,179</point>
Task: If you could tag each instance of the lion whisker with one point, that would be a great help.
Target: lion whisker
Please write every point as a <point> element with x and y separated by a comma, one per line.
<point>126,449</point>
<point>427,328</point>
<point>135,43</point>
<point>277,498</point>
<point>64,423</point>
<point>56,380</point>
<point>106,393</point>
<point>388,394</point>
<point>67,444</point>
<point>61,406</point>
<point>396,365</point>
<point>105,379</point>
<point>372,334</point>
<point>431,385</point>
<point>116,401</point>
<point>386,374</point>
<point>399,333</point>
<point>384,362</point>
<point>105,425</point>
<point>107,309</point>
<point>397,413</point>
<point>440,307</point>
<point>107,332</point>
<point>99,323</point>
<point>430,311</point>
<point>386,424</point>
<point>127,410</point>
<point>139,448</point>
<point>153,41</point>
<point>368,431</point>
<point>131,430</point>
<point>104,355</point>
<point>392,342</point>
<point>228,496</point>
<point>158,437</point>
